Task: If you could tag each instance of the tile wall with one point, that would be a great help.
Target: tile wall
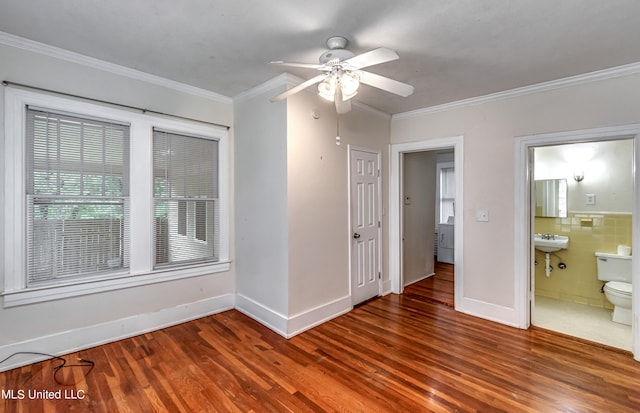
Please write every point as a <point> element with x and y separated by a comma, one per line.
<point>588,233</point>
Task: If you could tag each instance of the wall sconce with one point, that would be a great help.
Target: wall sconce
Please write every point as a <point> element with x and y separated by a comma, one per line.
<point>578,175</point>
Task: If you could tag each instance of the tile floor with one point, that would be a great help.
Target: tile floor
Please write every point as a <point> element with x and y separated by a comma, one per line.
<point>579,320</point>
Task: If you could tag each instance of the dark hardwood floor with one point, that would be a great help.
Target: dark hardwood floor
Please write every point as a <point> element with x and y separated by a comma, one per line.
<point>394,354</point>
<point>437,288</point>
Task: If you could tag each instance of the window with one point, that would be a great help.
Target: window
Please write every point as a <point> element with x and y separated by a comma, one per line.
<point>186,198</point>
<point>76,194</point>
<point>97,198</point>
<point>446,188</point>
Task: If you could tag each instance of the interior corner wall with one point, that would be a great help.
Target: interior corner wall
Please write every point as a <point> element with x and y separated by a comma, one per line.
<point>262,243</point>
<point>489,131</point>
<point>73,323</point>
<point>419,192</point>
<point>318,203</point>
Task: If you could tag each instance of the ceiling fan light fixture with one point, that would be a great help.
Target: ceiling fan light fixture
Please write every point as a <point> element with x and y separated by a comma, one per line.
<point>349,83</point>
<point>327,88</point>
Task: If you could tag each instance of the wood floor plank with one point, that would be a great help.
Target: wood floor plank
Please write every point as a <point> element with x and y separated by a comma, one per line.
<point>437,288</point>
<point>396,353</point>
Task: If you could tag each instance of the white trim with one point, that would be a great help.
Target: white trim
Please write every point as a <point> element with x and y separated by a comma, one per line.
<point>62,54</point>
<point>283,79</point>
<point>488,311</point>
<point>310,318</point>
<point>386,287</point>
<point>624,70</point>
<point>288,327</point>
<point>423,277</point>
<point>56,292</point>
<point>523,250</point>
<point>395,211</point>
<point>357,104</point>
<point>71,341</point>
<point>264,315</point>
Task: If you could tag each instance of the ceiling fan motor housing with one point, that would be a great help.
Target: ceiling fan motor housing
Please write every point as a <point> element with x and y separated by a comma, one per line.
<point>338,55</point>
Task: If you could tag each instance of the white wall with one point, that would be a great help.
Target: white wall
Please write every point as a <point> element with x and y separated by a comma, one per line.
<point>489,130</point>
<point>608,173</point>
<point>320,237</point>
<point>67,324</point>
<point>262,238</point>
<point>292,179</point>
<point>419,177</point>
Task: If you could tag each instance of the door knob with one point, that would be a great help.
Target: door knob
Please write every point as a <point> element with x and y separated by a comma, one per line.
<point>356,235</point>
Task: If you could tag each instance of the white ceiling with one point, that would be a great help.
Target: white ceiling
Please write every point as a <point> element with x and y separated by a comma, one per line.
<point>449,49</point>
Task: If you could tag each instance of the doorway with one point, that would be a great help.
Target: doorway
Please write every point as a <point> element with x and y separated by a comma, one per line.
<point>428,215</point>
<point>397,204</point>
<point>525,253</point>
<point>583,191</point>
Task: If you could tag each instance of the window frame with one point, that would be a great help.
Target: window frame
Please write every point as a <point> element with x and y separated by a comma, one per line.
<point>141,271</point>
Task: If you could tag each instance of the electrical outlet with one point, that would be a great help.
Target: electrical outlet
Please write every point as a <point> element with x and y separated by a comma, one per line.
<point>590,199</point>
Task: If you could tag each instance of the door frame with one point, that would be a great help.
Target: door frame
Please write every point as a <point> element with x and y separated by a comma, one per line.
<point>350,149</point>
<point>396,153</point>
<point>524,249</point>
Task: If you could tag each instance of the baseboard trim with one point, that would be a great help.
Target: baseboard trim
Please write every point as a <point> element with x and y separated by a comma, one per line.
<point>424,277</point>
<point>83,338</point>
<point>311,318</point>
<point>488,311</point>
<point>288,327</point>
<point>262,314</point>
<point>386,288</point>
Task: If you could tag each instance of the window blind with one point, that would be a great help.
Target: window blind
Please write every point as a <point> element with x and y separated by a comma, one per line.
<point>77,196</point>
<point>185,199</point>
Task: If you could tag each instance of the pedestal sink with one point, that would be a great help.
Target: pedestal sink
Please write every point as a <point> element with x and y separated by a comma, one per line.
<point>550,243</point>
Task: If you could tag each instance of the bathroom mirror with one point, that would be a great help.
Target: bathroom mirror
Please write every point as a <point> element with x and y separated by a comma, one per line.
<point>551,198</point>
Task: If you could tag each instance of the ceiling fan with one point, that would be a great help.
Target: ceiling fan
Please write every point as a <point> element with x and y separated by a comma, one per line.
<point>342,74</point>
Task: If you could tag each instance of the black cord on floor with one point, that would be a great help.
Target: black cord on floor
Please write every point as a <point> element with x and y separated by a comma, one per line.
<point>56,369</point>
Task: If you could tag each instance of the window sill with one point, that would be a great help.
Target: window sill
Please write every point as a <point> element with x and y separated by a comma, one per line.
<point>50,293</point>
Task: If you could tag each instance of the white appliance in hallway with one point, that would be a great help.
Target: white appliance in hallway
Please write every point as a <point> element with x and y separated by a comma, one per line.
<point>445,243</point>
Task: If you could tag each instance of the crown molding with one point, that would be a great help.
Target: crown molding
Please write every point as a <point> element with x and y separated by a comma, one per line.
<point>62,54</point>
<point>282,79</point>
<point>618,71</point>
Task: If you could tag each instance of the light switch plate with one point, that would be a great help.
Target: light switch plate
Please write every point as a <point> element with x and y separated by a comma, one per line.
<point>590,199</point>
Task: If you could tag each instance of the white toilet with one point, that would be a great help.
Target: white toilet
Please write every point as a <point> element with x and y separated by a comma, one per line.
<point>616,271</point>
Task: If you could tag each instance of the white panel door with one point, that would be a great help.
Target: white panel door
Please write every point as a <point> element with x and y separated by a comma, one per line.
<point>365,224</point>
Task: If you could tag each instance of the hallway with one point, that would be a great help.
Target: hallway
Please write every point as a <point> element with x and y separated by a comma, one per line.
<point>438,288</point>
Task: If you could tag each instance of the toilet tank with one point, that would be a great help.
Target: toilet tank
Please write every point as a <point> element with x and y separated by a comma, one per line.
<point>613,267</point>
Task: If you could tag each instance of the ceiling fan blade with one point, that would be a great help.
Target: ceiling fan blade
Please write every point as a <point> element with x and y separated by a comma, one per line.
<point>298,88</point>
<point>374,57</point>
<point>296,64</point>
<point>342,106</point>
<point>384,83</point>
